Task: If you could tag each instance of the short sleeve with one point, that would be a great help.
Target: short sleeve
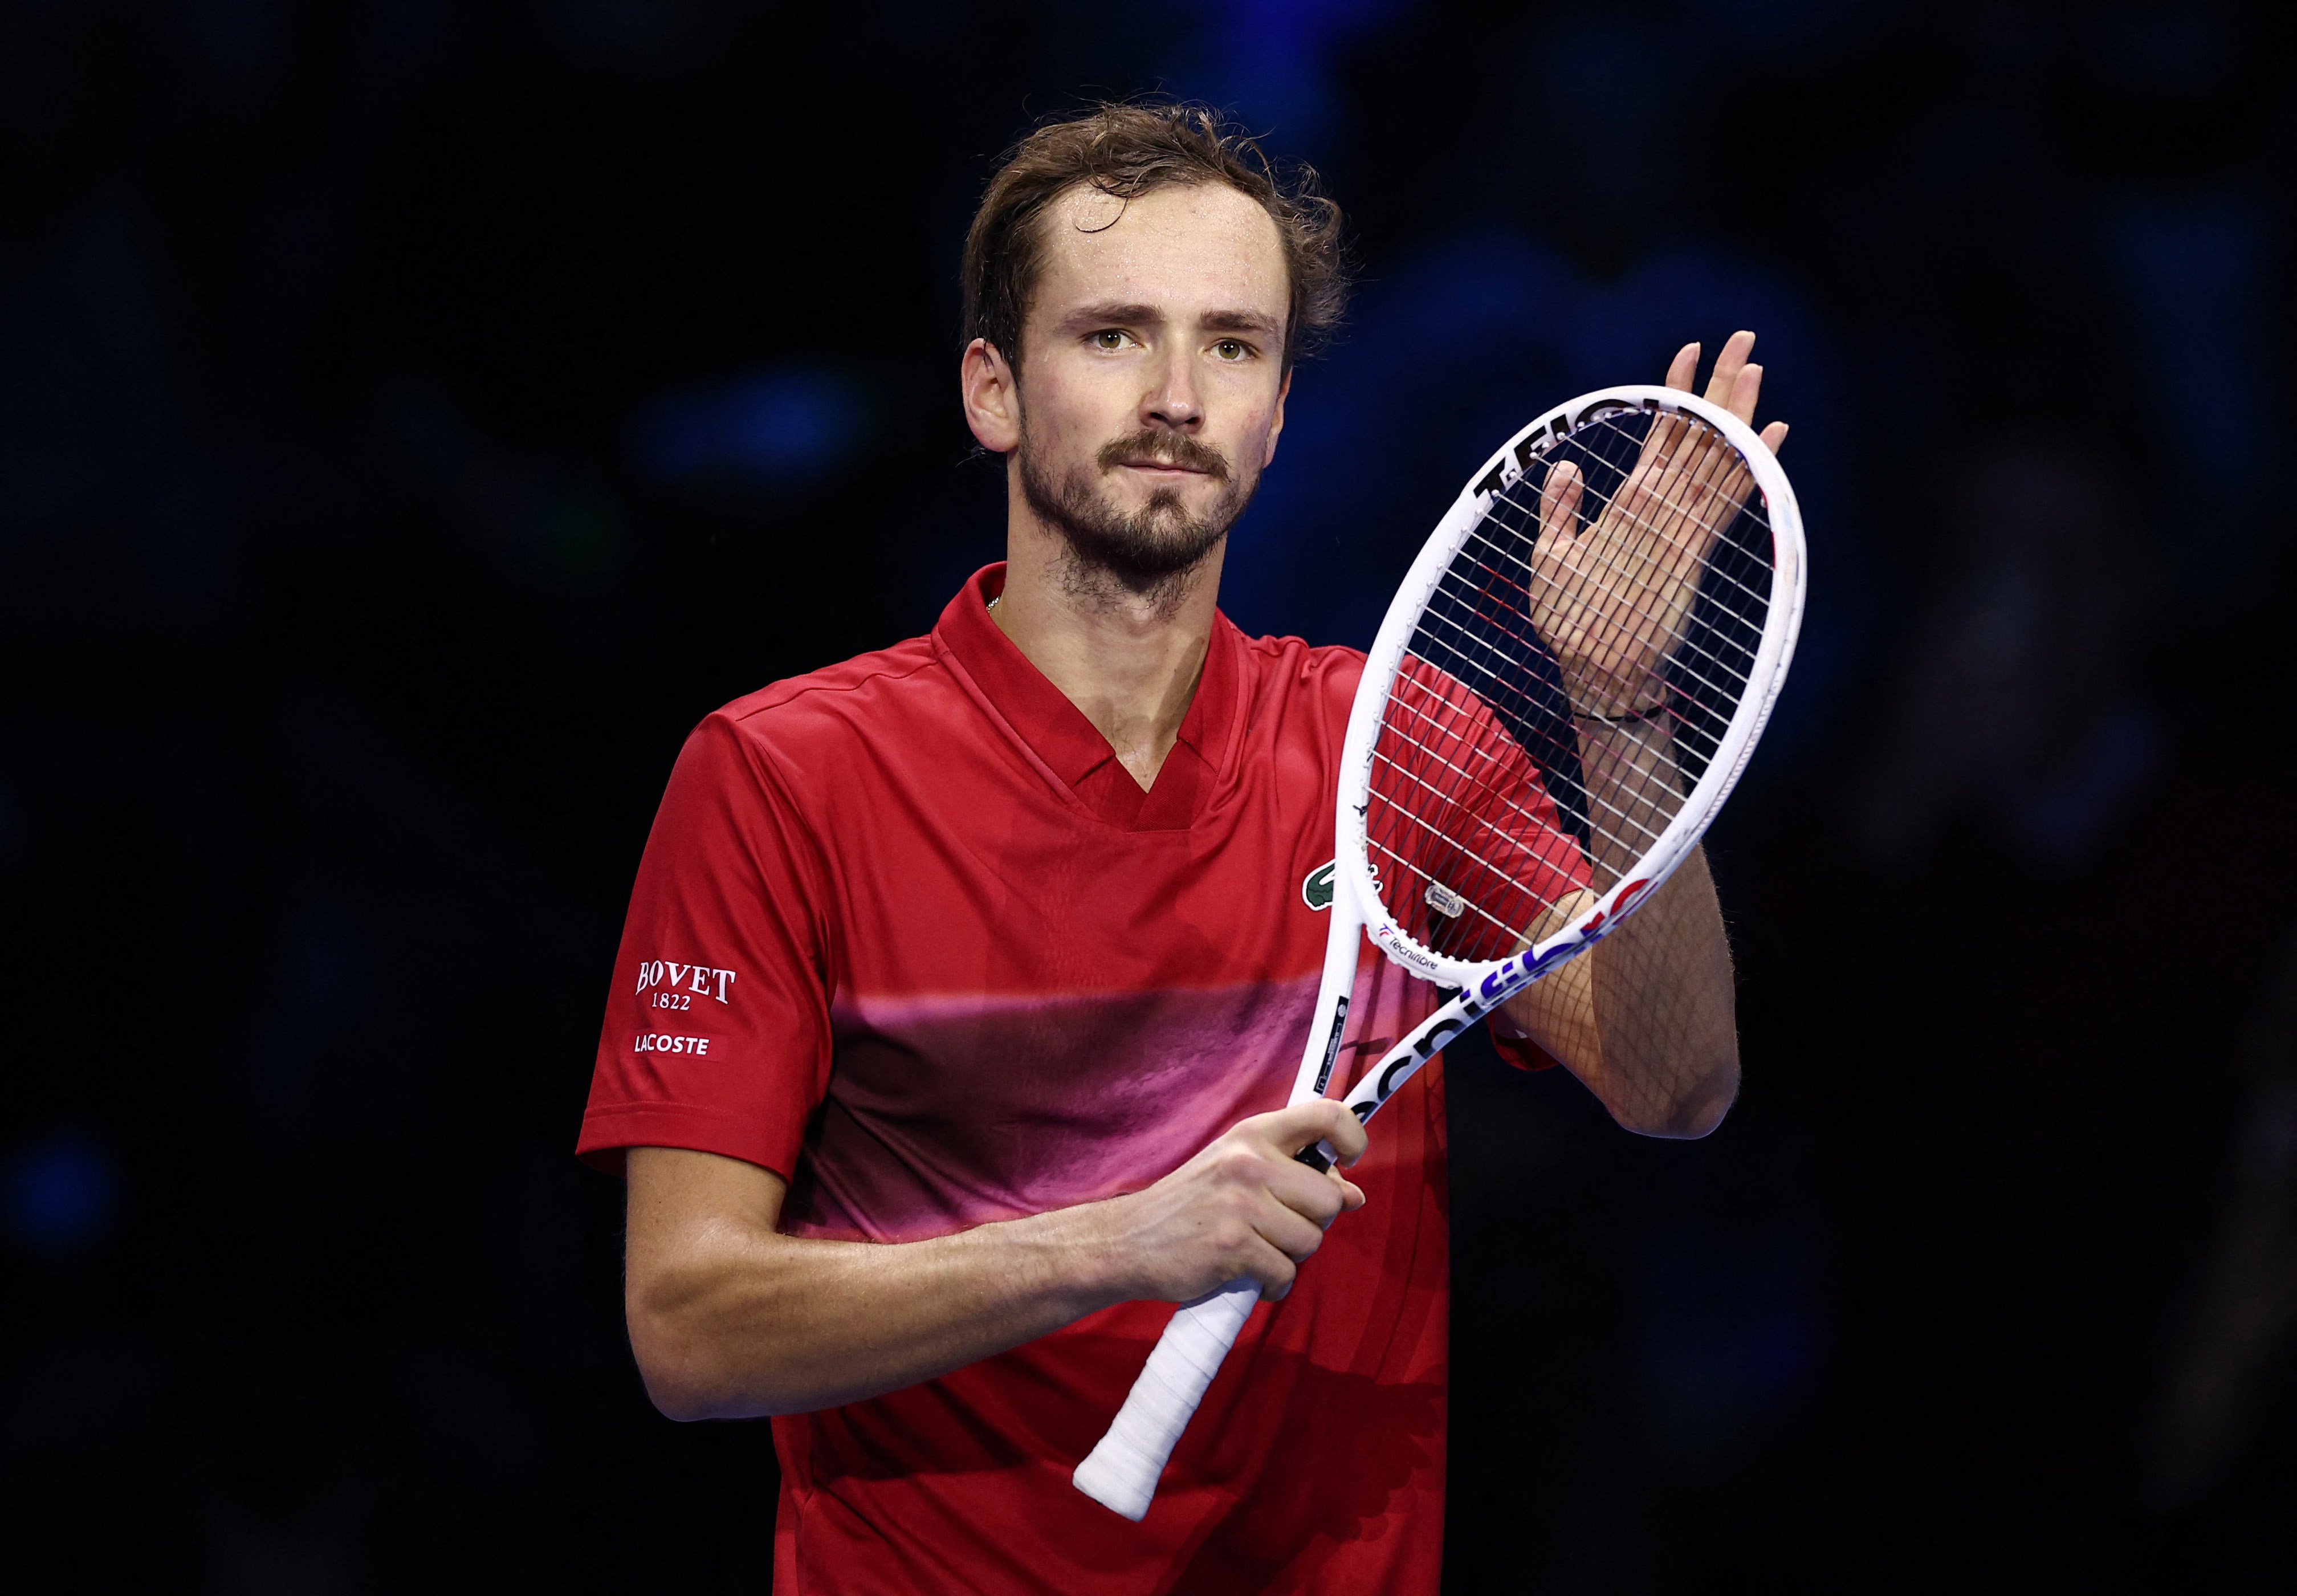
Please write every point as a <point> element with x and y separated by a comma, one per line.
<point>1520,1051</point>
<point>1549,858</point>
<point>1458,805</point>
<point>1487,829</point>
<point>717,1030</point>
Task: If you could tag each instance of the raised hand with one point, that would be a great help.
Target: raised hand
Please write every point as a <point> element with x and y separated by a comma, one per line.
<point>1610,601</point>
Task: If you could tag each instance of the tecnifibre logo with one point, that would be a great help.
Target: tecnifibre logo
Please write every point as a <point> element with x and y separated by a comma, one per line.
<point>1316,891</point>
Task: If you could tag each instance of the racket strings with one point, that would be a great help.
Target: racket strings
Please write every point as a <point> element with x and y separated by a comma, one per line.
<point>1468,905</point>
<point>1473,877</point>
<point>1516,636</point>
<point>1730,686</point>
<point>1510,800</point>
<point>1549,583</point>
<point>1617,825</point>
<point>1727,463</point>
<point>1736,607</point>
<point>1481,822</point>
<point>1502,839</point>
<point>1457,809</point>
<point>1733,687</point>
<point>1648,834</point>
<point>1625,586</point>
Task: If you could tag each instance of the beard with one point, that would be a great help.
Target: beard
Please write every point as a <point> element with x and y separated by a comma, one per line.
<point>1150,553</point>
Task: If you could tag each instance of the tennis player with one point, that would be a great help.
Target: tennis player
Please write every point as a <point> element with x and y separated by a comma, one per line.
<point>960,979</point>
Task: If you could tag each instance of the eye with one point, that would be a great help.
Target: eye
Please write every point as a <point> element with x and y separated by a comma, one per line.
<point>1231,349</point>
<point>1110,338</point>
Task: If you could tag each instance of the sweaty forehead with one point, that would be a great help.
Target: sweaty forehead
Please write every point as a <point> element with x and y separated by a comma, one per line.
<point>1184,248</point>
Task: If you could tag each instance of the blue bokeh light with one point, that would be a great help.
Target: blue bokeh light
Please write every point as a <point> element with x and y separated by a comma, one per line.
<point>61,1194</point>
<point>783,427</point>
<point>2197,272</point>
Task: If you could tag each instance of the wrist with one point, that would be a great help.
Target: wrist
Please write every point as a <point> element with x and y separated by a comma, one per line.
<point>1626,715</point>
<point>1627,693</point>
<point>1089,1263</point>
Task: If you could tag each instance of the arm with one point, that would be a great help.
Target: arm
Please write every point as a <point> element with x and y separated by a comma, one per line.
<point>731,1318</point>
<point>1645,1018</point>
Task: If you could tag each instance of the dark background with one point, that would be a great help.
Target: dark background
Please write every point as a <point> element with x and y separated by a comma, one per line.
<point>413,417</point>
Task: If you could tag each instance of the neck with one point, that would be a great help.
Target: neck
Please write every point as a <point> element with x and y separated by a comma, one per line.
<point>1128,662</point>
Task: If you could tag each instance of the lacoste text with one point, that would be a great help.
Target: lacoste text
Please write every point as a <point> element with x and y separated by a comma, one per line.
<point>660,1042</point>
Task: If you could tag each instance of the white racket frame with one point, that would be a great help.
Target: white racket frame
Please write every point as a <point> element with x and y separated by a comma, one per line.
<point>1122,1471</point>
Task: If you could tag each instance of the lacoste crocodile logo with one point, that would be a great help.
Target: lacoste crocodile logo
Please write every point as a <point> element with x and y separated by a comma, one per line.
<point>1316,889</point>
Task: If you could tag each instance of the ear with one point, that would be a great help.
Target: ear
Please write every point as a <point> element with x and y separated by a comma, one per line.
<point>1276,422</point>
<point>992,397</point>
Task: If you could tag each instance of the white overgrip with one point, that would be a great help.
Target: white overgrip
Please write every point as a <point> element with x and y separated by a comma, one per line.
<point>1121,1473</point>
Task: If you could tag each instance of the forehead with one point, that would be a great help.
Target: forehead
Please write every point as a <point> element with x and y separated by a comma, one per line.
<point>1184,248</point>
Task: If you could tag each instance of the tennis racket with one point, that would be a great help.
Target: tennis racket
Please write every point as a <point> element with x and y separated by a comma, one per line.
<point>1629,565</point>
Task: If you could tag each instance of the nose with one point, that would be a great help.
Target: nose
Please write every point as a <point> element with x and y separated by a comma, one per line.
<point>1172,401</point>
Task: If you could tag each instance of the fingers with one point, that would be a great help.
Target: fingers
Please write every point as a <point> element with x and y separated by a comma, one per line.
<point>1303,1208</point>
<point>1273,1271</point>
<point>1245,1208</point>
<point>1728,365</point>
<point>1559,498</point>
<point>1736,383</point>
<point>1305,1125</point>
<point>1346,1133</point>
<point>1745,390</point>
<point>1318,1196</point>
<point>1773,435</point>
<point>1291,1228</point>
<point>1684,367</point>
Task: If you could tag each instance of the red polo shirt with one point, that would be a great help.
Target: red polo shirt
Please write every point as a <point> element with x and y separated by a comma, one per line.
<point>907,933</point>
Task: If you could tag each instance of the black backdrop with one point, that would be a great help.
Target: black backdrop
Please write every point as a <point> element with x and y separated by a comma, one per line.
<point>413,417</point>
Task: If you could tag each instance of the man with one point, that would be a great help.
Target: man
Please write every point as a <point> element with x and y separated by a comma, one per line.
<point>963,981</point>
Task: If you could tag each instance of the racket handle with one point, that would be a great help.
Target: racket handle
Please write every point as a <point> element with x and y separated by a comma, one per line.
<point>1121,1473</point>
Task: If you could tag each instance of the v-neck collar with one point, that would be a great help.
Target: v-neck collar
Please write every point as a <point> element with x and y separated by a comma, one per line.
<point>1068,749</point>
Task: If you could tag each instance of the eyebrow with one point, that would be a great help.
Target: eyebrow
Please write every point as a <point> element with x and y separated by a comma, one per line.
<point>1242,321</point>
<point>1111,313</point>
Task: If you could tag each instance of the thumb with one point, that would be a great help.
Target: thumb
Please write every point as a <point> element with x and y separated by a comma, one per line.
<point>1302,1125</point>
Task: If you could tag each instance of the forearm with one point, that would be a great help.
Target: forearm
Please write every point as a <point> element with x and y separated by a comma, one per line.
<point>1668,1061</point>
<point>729,1318</point>
<point>734,1319</point>
<point>1646,1017</point>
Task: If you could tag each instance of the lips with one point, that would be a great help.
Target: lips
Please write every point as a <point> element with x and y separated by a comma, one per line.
<point>1163,465</point>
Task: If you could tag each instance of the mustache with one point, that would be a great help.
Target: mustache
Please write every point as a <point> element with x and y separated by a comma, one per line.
<point>1167,449</point>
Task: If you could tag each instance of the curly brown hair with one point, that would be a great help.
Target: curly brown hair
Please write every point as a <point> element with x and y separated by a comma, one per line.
<point>1128,149</point>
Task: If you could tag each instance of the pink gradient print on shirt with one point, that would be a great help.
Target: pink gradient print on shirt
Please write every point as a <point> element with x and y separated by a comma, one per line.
<point>945,1112</point>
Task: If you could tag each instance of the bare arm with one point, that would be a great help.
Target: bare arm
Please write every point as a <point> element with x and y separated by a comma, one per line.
<point>1646,1018</point>
<point>731,1318</point>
